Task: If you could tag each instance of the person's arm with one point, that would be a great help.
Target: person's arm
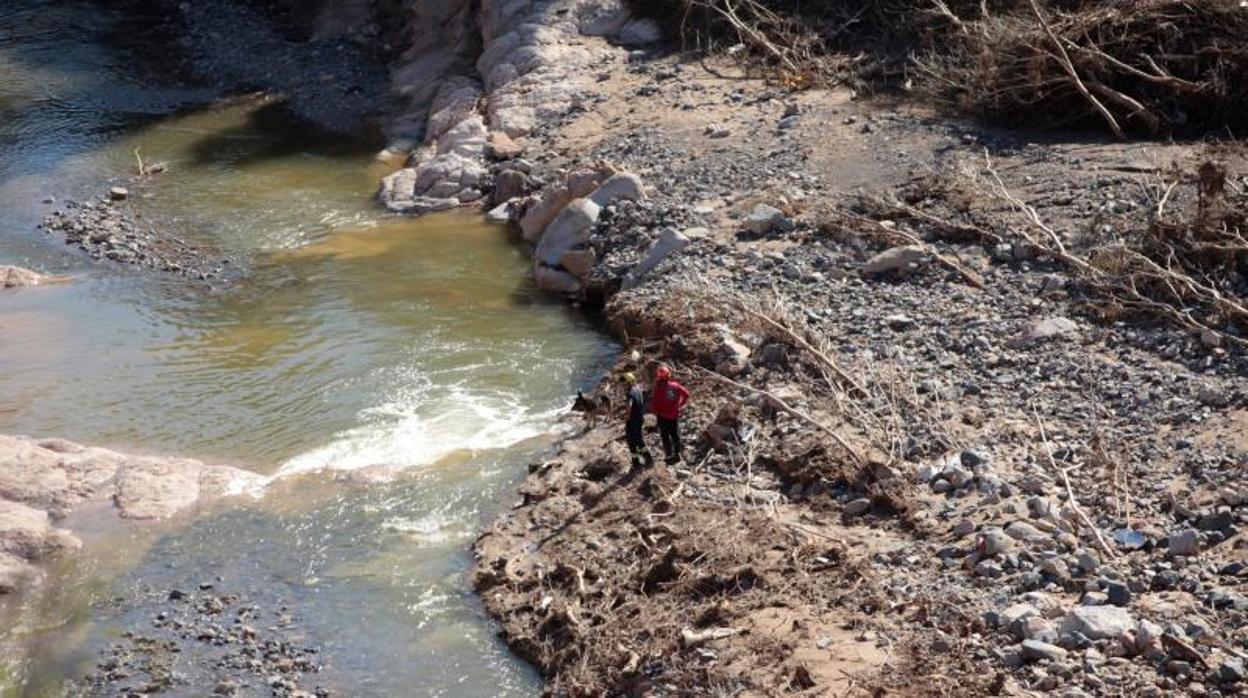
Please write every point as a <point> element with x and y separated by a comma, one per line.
<point>683,394</point>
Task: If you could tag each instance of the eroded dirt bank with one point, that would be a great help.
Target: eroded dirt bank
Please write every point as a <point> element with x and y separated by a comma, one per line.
<point>927,457</point>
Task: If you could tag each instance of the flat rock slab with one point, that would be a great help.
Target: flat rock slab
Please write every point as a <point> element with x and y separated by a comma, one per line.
<point>56,475</point>
<point>16,277</point>
<point>44,480</point>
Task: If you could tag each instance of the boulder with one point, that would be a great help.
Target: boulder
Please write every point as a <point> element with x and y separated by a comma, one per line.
<point>1185,543</point>
<point>1036,628</point>
<point>895,259</point>
<point>625,186</point>
<point>16,574</point>
<point>15,277</point>
<point>639,32</point>
<point>995,542</point>
<point>858,507</point>
<point>500,146</point>
<point>569,230</point>
<point>501,213</point>
<point>669,242</point>
<point>764,219</point>
<point>510,184</point>
<point>1036,650</point>
<point>583,182</point>
<point>1012,615</point>
<point>1098,622</point>
<point>56,476</point>
<point>555,280</point>
<point>602,18</point>
<point>26,533</point>
<point>578,263</point>
<point>543,211</point>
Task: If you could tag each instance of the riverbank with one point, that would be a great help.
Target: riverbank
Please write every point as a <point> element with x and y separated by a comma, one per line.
<point>925,455</point>
<point>928,452</point>
<point>385,376</point>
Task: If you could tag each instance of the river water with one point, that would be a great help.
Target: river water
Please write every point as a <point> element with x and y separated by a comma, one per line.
<point>393,376</point>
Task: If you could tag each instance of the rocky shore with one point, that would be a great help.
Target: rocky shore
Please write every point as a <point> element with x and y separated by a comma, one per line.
<point>208,640</point>
<point>926,456</point>
<point>110,229</point>
<point>925,461</point>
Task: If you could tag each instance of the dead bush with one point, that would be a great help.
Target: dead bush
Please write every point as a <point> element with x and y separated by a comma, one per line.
<point>1148,66</point>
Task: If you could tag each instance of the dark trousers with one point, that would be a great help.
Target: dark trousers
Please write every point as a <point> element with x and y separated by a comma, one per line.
<point>637,445</point>
<point>669,431</point>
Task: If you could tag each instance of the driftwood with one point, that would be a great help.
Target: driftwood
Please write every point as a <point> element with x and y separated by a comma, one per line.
<point>693,638</point>
<point>789,409</point>
<point>1070,492</point>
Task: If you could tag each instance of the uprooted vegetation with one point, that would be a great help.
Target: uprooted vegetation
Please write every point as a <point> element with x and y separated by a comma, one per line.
<point>1151,67</point>
<point>637,574</point>
<point>1184,261</point>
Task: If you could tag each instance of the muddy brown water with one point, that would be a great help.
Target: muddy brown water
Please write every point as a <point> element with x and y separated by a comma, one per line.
<point>393,376</point>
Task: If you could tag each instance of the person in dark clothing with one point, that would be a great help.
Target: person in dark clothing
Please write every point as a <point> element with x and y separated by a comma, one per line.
<point>668,400</point>
<point>636,406</point>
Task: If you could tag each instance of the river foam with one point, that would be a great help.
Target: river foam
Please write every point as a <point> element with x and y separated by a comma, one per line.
<point>411,433</point>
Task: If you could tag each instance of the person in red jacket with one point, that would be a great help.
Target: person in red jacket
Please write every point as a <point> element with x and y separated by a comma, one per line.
<point>668,400</point>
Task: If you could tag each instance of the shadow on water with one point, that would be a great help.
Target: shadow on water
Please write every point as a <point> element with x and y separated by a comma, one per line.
<point>272,132</point>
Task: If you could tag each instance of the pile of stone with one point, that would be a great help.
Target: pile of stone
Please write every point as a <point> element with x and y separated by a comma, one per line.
<point>108,229</point>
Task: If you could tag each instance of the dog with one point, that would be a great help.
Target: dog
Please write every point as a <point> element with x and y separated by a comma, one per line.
<point>592,407</point>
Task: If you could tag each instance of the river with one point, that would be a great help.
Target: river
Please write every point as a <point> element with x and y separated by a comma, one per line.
<point>392,376</point>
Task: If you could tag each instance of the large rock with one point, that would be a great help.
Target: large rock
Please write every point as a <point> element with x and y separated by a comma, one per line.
<point>455,101</point>
<point>670,241</point>
<point>56,476</point>
<point>14,277</point>
<point>894,259</point>
<point>444,42</point>
<point>509,185</point>
<point>623,186</point>
<point>639,32</point>
<point>500,146</point>
<point>1098,622</point>
<point>16,574</point>
<point>569,230</point>
<point>26,537</point>
<point>764,219</point>
<point>27,533</point>
<point>44,480</point>
<point>578,263</point>
<point>555,280</point>
<point>602,18</point>
<point>1035,651</point>
<point>448,173</point>
<point>542,211</point>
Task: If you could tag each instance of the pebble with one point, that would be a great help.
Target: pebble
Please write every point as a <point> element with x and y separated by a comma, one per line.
<point>1183,543</point>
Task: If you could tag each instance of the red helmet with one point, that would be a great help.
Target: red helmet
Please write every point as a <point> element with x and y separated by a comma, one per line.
<point>662,373</point>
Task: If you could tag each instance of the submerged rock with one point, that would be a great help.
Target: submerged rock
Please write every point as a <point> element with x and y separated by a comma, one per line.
<point>45,480</point>
<point>15,277</point>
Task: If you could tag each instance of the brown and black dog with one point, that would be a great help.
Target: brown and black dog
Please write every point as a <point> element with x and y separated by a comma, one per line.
<point>593,407</point>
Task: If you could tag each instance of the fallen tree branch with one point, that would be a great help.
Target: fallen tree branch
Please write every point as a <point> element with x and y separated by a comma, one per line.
<point>1070,492</point>
<point>785,407</point>
<point>801,342</point>
<point>1063,58</point>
